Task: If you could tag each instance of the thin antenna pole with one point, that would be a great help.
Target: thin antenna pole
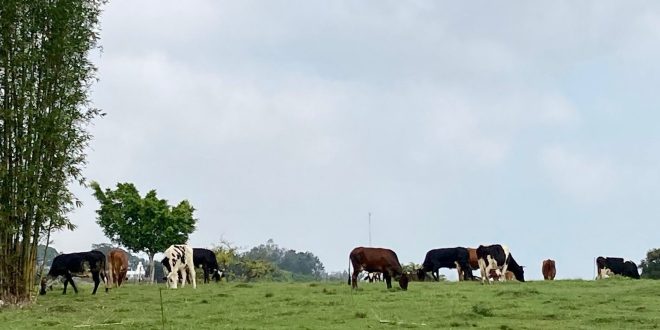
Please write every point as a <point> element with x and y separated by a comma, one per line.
<point>369,228</point>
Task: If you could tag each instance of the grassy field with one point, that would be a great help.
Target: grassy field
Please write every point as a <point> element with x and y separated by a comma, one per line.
<point>612,303</point>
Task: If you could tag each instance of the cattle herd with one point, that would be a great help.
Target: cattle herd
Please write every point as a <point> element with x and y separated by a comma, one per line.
<point>495,263</point>
<point>179,263</point>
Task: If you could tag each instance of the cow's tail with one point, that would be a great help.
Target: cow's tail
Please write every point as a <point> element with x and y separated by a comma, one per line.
<point>104,277</point>
<point>349,271</point>
<point>108,271</point>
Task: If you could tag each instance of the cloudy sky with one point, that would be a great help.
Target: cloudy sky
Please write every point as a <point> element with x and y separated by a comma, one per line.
<point>455,124</point>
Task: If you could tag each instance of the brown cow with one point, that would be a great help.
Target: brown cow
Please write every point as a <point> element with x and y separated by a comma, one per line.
<point>548,269</point>
<point>473,260</point>
<point>118,264</point>
<point>376,260</point>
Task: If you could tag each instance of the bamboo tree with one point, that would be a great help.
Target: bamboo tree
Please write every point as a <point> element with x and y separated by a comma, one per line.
<point>45,77</point>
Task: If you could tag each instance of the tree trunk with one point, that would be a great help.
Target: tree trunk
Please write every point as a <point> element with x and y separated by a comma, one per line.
<point>152,268</point>
<point>43,262</point>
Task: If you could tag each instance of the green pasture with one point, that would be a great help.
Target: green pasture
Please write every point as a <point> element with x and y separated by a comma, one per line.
<point>608,304</point>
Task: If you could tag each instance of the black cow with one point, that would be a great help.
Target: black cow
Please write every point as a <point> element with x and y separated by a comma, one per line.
<point>205,258</point>
<point>380,260</point>
<point>497,257</point>
<point>610,265</point>
<point>78,264</point>
<point>446,258</point>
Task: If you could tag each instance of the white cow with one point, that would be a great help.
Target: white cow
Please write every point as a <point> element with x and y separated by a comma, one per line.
<point>179,259</point>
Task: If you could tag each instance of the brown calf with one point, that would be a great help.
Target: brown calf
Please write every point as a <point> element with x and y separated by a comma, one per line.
<point>548,269</point>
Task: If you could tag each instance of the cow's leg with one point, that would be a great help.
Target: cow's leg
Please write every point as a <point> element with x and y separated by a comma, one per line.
<point>600,274</point>
<point>66,282</point>
<point>435,272</point>
<point>184,274</point>
<point>97,280</point>
<point>354,278</point>
<point>388,279</point>
<point>506,265</point>
<point>458,270</point>
<point>206,274</point>
<point>482,269</point>
<point>117,276</point>
<point>73,285</point>
<point>467,272</point>
<point>193,276</point>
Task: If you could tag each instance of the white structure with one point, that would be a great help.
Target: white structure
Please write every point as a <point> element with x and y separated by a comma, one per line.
<point>137,274</point>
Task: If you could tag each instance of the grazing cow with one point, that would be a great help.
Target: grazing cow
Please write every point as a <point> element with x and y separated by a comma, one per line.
<point>548,269</point>
<point>179,258</point>
<point>205,258</point>
<point>497,257</point>
<point>380,260</point>
<point>446,258</point>
<point>79,264</point>
<point>610,265</point>
<point>117,266</point>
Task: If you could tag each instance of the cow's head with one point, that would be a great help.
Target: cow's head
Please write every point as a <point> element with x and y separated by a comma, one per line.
<point>519,273</point>
<point>47,282</point>
<point>403,281</point>
<point>172,280</point>
<point>218,274</point>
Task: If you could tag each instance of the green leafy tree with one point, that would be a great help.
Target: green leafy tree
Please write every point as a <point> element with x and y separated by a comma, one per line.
<point>651,265</point>
<point>45,82</point>
<point>304,263</point>
<point>269,252</point>
<point>301,265</point>
<point>146,224</point>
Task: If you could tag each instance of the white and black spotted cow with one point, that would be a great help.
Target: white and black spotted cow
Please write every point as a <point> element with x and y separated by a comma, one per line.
<point>179,258</point>
<point>497,258</point>
<point>79,264</point>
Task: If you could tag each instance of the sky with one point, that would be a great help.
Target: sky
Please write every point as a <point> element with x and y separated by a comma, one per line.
<point>528,124</point>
